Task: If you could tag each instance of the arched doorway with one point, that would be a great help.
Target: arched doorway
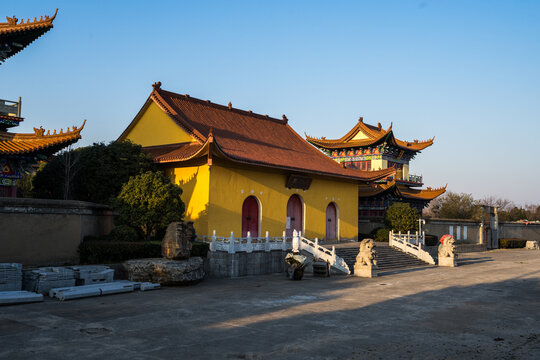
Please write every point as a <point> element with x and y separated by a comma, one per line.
<point>250,217</point>
<point>331,222</point>
<point>295,216</point>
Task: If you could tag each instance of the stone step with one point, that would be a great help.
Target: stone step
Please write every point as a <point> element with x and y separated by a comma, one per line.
<point>387,258</point>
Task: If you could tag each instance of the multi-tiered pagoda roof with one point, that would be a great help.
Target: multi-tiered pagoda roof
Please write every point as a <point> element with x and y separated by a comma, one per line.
<point>363,135</point>
<point>372,147</point>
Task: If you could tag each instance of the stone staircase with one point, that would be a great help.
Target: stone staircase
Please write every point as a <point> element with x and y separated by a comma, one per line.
<point>388,258</point>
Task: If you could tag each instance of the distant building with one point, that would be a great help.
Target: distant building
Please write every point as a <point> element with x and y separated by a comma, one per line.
<point>242,171</point>
<point>19,153</point>
<point>366,147</point>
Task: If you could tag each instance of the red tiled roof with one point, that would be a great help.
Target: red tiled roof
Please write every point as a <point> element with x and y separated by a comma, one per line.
<point>246,137</point>
<point>25,144</point>
<point>15,37</point>
<point>375,135</point>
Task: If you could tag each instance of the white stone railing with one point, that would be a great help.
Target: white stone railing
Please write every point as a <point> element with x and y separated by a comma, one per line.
<point>319,252</point>
<point>411,244</point>
<point>248,244</point>
<point>297,242</point>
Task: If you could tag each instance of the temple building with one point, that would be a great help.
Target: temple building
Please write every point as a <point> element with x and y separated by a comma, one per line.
<point>20,153</point>
<point>244,172</point>
<point>366,147</point>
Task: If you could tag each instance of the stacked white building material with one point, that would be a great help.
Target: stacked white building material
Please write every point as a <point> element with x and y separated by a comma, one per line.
<point>93,274</point>
<point>10,277</point>
<point>19,297</point>
<point>44,279</point>
<point>116,287</point>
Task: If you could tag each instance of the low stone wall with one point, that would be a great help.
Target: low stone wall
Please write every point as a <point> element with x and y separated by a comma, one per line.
<point>48,232</point>
<point>366,227</point>
<point>220,264</point>
<point>523,231</point>
<point>463,231</point>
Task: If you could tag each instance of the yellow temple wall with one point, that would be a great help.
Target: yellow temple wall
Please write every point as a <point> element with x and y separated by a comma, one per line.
<point>195,184</point>
<point>155,127</point>
<point>229,187</point>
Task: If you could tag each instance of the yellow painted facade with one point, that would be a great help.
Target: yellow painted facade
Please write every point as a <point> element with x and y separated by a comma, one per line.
<point>229,187</point>
<point>155,127</point>
<point>195,184</point>
<point>360,136</point>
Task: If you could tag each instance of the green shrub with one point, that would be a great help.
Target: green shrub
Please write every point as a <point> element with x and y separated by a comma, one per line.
<point>104,252</point>
<point>124,233</point>
<point>511,243</point>
<point>199,249</point>
<point>382,235</point>
<point>431,240</point>
<point>149,202</point>
<point>401,217</point>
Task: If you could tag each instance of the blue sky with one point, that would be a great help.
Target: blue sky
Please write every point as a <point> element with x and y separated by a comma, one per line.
<point>466,72</point>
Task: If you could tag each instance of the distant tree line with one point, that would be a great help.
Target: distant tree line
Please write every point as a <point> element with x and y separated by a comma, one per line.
<point>463,206</point>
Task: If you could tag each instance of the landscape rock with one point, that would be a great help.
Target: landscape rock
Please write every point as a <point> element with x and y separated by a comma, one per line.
<point>165,271</point>
<point>176,244</point>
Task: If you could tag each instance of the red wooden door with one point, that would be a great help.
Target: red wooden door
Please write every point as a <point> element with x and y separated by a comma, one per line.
<point>294,214</point>
<point>331,222</point>
<point>250,217</point>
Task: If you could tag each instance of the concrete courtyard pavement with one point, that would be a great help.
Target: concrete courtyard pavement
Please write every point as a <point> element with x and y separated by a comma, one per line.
<point>487,308</point>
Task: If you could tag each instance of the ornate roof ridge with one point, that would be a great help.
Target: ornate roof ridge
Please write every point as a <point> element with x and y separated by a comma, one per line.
<point>224,107</point>
<point>374,135</point>
<point>11,25</point>
<point>39,133</point>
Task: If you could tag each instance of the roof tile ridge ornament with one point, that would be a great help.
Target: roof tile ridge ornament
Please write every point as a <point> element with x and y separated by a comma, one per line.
<point>156,85</point>
<point>286,121</point>
<point>230,105</point>
<point>40,132</point>
<point>12,21</point>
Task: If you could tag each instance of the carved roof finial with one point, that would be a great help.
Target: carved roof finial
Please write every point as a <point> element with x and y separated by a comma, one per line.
<point>361,119</point>
<point>12,20</point>
<point>157,85</point>
<point>230,105</point>
<point>285,120</point>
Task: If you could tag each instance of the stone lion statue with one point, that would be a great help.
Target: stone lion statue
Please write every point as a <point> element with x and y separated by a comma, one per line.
<point>367,254</point>
<point>447,247</point>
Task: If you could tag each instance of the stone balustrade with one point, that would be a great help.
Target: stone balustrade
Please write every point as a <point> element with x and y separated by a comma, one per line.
<point>411,244</point>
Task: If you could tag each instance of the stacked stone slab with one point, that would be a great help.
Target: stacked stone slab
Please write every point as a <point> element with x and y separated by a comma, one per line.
<point>19,297</point>
<point>44,279</point>
<point>10,277</point>
<point>92,274</point>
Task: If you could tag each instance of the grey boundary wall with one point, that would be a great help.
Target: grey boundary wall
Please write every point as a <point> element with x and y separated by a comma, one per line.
<point>437,227</point>
<point>509,230</point>
<point>440,227</point>
<point>221,264</point>
<point>48,232</point>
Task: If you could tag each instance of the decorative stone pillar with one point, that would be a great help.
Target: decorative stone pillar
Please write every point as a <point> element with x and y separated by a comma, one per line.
<point>366,265</point>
